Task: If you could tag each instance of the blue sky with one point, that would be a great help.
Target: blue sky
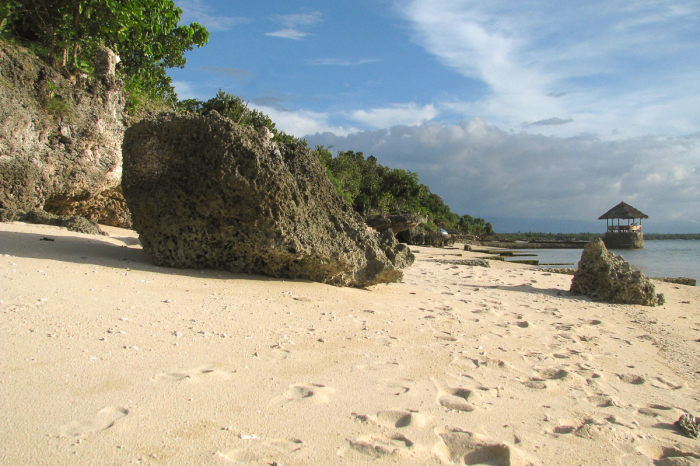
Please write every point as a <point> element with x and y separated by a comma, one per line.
<point>537,109</point>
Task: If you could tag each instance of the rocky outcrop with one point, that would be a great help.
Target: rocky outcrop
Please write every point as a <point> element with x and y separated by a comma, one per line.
<point>106,208</point>
<point>420,237</point>
<point>604,276</point>
<point>60,140</point>
<point>395,222</point>
<point>206,192</point>
<point>72,223</point>
<point>624,240</point>
<point>677,280</point>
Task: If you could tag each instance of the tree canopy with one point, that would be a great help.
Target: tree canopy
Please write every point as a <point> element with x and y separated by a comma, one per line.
<point>371,188</point>
<point>144,33</point>
<point>233,107</point>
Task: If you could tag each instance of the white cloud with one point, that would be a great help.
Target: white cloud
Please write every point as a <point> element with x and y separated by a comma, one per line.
<point>293,24</point>
<point>198,11</point>
<point>550,122</point>
<point>607,65</point>
<point>298,20</point>
<point>288,34</point>
<point>184,90</point>
<point>401,114</point>
<point>341,61</point>
<point>480,169</point>
<point>302,122</point>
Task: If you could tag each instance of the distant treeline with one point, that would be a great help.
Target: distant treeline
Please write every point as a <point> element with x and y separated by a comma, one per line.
<point>534,236</point>
<point>374,189</point>
<point>665,236</point>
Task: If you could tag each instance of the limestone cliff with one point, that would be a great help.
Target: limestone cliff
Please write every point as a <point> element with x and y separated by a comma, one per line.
<point>60,140</point>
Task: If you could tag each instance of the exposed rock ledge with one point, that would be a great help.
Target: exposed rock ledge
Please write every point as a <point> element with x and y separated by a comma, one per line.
<point>206,192</point>
<point>603,275</point>
<point>60,141</point>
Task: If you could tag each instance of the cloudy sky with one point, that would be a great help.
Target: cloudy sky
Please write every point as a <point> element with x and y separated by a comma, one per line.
<point>528,113</point>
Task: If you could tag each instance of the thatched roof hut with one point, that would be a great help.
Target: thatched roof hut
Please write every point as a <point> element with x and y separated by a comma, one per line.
<point>623,211</point>
<point>619,236</point>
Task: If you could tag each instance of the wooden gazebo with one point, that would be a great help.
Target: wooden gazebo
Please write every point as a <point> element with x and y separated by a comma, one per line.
<point>627,236</point>
<point>623,211</point>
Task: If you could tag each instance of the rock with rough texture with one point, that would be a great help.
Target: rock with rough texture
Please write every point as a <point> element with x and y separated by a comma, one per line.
<point>10,215</point>
<point>603,275</point>
<point>678,280</point>
<point>419,237</point>
<point>60,140</point>
<point>72,223</point>
<point>469,262</point>
<point>399,254</point>
<point>106,208</point>
<point>395,222</point>
<point>206,192</point>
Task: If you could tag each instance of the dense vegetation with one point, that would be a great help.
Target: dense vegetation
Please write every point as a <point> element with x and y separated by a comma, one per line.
<point>144,33</point>
<point>373,189</point>
<point>233,107</point>
<point>668,236</point>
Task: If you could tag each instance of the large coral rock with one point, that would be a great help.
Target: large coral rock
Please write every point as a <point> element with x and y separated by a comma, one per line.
<point>603,275</point>
<point>206,192</point>
<point>106,208</point>
<point>395,222</point>
<point>419,237</point>
<point>72,223</point>
<point>60,139</point>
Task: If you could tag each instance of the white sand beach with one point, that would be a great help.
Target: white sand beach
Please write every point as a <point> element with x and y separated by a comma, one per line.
<point>110,360</point>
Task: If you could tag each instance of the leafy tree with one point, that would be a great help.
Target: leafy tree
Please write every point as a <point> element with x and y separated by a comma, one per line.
<point>233,107</point>
<point>372,188</point>
<point>145,34</point>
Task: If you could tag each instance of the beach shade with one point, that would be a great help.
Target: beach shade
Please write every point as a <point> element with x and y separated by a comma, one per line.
<point>623,211</point>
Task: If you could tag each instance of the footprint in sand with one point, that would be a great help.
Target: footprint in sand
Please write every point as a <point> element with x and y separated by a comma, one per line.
<point>561,430</point>
<point>592,429</point>
<point>543,376</point>
<point>380,366</point>
<point>394,418</point>
<point>654,410</point>
<point>193,375</point>
<point>378,446</point>
<point>553,374</point>
<point>444,336</point>
<point>395,387</point>
<point>665,384</point>
<point>457,446</point>
<point>668,456</point>
<point>467,363</point>
<point>305,393</point>
<point>457,399</point>
<point>104,419</point>
<point>258,452</point>
<point>632,379</point>
<point>603,401</point>
<point>275,353</point>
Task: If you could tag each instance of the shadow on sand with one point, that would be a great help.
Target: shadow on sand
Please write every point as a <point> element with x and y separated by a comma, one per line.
<point>527,288</point>
<point>105,251</point>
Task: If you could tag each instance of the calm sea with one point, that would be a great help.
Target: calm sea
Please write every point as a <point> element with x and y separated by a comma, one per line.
<point>673,258</point>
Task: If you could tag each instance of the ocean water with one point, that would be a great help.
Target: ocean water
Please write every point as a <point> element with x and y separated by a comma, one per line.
<point>672,258</point>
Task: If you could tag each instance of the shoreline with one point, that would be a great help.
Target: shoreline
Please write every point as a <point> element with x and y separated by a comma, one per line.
<point>110,359</point>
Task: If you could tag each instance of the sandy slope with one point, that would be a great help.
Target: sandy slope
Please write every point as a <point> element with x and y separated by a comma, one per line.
<point>107,359</point>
